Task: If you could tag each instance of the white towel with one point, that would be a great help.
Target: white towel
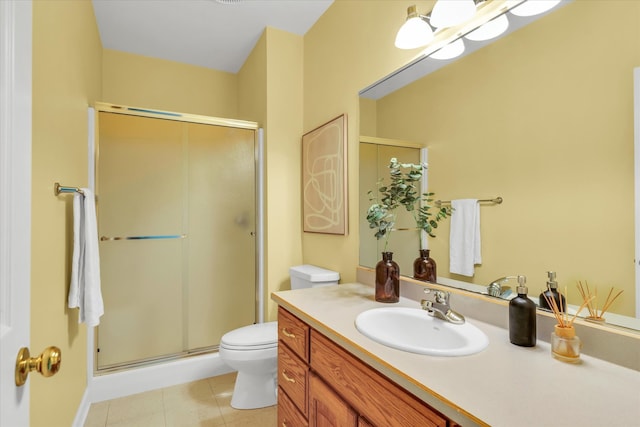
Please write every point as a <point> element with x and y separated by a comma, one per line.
<point>84,289</point>
<point>464,240</point>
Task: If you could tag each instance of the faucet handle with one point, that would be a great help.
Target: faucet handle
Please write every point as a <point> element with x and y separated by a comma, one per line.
<point>441,297</point>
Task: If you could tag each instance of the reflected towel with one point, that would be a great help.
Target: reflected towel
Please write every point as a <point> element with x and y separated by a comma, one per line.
<point>464,240</point>
<point>84,289</point>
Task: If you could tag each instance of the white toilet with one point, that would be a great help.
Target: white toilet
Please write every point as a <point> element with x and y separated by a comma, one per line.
<point>253,350</point>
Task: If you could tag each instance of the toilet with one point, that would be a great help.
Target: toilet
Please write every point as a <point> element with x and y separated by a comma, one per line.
<point>253,350</point>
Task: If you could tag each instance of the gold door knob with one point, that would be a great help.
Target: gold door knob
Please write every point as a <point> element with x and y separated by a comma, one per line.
<point>48,363</point>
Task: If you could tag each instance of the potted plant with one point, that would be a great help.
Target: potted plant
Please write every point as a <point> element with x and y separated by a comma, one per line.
<point>402,191</point>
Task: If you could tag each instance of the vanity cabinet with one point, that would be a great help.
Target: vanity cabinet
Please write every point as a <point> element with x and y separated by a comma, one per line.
<point>324,385</point>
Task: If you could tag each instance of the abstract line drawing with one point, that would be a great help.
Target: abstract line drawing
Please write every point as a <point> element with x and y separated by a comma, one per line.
<point>324,179</point>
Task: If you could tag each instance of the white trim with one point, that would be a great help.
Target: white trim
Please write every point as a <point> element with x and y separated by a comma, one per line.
<point>636,147</point>
<point>83,410</point>
<point>424,188</point>
<point>260,226</point>
<point>15,202</point>
<point>132,381</point>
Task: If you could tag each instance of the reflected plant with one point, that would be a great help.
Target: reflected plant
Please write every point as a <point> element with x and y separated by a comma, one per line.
<point>402,191</point>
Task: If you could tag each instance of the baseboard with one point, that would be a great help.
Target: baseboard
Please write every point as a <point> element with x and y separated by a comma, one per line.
<point>83,410</point>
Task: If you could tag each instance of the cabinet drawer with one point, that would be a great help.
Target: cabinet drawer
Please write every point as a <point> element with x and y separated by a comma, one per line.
<point>294,333</point>
<point>379,399</point>
<point>288,414</point>
<point>293,376</point>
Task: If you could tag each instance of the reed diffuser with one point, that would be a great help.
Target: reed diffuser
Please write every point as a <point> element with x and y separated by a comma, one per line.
<point>595,314</point>
<point>565,345</point>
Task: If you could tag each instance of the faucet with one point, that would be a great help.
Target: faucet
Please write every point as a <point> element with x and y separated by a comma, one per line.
<point>495,288</point>
<point>437,305</point>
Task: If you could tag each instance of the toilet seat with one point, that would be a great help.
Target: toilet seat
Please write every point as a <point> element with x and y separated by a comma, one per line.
<point>253,337</point>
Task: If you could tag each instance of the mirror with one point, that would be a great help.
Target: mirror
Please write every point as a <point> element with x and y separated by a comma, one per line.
<point>542,117</point>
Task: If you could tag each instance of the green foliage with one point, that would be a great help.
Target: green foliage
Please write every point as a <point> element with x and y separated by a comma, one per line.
<point>402,191</point>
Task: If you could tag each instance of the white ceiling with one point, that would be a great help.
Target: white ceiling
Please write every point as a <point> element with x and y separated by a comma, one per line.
<point>217,34</point>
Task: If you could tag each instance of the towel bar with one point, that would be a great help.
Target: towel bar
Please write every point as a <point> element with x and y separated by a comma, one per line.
<point>496,200</point>
<point>57,189</point>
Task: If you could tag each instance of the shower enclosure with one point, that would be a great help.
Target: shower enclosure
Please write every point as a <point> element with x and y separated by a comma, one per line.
<point>176,207</point>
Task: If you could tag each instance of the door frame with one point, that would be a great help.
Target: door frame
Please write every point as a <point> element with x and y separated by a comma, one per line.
<point>15,202</point>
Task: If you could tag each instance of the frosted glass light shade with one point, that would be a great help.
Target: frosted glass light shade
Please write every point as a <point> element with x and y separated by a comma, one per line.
<point>534,7</point>
<point>489,30</point>
<point>447,13</point>
<point>450,51</point>
<point>415,32</point>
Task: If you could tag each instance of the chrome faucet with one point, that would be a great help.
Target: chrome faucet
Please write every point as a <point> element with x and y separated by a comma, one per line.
<point>437,305</point>
<point>495,288</point>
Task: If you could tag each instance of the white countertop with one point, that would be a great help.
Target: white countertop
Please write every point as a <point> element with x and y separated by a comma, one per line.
<point>504,385</point>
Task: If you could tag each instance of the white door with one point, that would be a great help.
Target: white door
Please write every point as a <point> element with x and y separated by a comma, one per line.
<point>15,203</point>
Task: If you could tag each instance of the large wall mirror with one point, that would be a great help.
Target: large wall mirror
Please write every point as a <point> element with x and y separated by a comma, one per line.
<point>543,117</point>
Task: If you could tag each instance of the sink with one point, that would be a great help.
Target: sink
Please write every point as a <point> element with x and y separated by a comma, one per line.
<point>415,331</point>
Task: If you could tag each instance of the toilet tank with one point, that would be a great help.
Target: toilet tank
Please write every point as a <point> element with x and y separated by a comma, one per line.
<point>310,276</point>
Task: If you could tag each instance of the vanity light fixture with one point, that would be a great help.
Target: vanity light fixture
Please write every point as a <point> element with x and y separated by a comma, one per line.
<point>448,13</point>
<point>450,51</point>
<point>486,19</point>
<point>490,30</point>
<point>415,32</point>
<point>534,7</point>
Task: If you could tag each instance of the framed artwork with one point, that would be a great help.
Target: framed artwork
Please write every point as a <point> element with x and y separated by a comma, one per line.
<point>324,178</point>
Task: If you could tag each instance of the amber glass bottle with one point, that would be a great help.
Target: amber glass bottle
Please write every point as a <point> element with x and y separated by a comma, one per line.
<point>387,279</point>
<point>424,267</point>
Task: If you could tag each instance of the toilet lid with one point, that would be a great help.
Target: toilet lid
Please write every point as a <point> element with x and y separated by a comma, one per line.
<point>260,335</point>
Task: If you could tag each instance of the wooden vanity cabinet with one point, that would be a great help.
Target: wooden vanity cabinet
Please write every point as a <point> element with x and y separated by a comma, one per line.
<point>293,370</point>
<point>323,385</point>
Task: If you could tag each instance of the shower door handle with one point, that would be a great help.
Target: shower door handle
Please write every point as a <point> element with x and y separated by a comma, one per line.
<point>156,237</point>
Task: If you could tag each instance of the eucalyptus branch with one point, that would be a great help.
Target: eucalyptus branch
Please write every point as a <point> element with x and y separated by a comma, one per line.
<point>402,191</point>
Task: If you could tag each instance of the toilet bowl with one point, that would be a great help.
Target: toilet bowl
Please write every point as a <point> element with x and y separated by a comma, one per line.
<point>253,352</point>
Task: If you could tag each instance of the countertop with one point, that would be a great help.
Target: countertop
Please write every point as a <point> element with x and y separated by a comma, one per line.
<point>504,385</point>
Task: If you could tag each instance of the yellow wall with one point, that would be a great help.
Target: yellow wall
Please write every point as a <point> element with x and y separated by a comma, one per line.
<point>283,139</point>
<point>66,80</point>
<point>544,119</point>
<point>141,81</point>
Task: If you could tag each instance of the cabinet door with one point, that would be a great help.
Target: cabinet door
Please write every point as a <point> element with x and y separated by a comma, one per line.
<point>327,409</point>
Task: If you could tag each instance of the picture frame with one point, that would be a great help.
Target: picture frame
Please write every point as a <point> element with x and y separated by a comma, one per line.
<point>324,178</point>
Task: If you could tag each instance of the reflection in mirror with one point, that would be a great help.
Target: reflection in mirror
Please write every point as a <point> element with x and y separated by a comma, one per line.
<point>544,118</point>
<point>375,154</point>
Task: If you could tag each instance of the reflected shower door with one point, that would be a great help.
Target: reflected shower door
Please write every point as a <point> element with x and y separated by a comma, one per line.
<point>176,215</point>
<point>405,244</point>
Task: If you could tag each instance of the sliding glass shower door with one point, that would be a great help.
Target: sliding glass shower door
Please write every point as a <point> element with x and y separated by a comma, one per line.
<point>176,219</point>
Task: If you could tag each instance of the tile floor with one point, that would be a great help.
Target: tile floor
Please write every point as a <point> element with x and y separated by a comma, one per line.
<point>204,403</point>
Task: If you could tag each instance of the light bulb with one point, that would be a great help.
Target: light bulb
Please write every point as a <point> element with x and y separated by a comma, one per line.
<point>415,32</point>
<point>489,30</point>
<point>450,51</point>
<point>534,7</point>
<point>447,13</point>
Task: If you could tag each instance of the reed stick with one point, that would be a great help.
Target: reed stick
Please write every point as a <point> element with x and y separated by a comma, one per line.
<point>562,317</point>
<point>593,308</point>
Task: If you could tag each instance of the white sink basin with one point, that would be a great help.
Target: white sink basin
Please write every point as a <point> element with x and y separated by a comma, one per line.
<point>414,330</point>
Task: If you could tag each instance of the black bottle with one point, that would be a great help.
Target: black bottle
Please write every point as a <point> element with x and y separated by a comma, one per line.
<point>552,294</point>
<point>522,317</point>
